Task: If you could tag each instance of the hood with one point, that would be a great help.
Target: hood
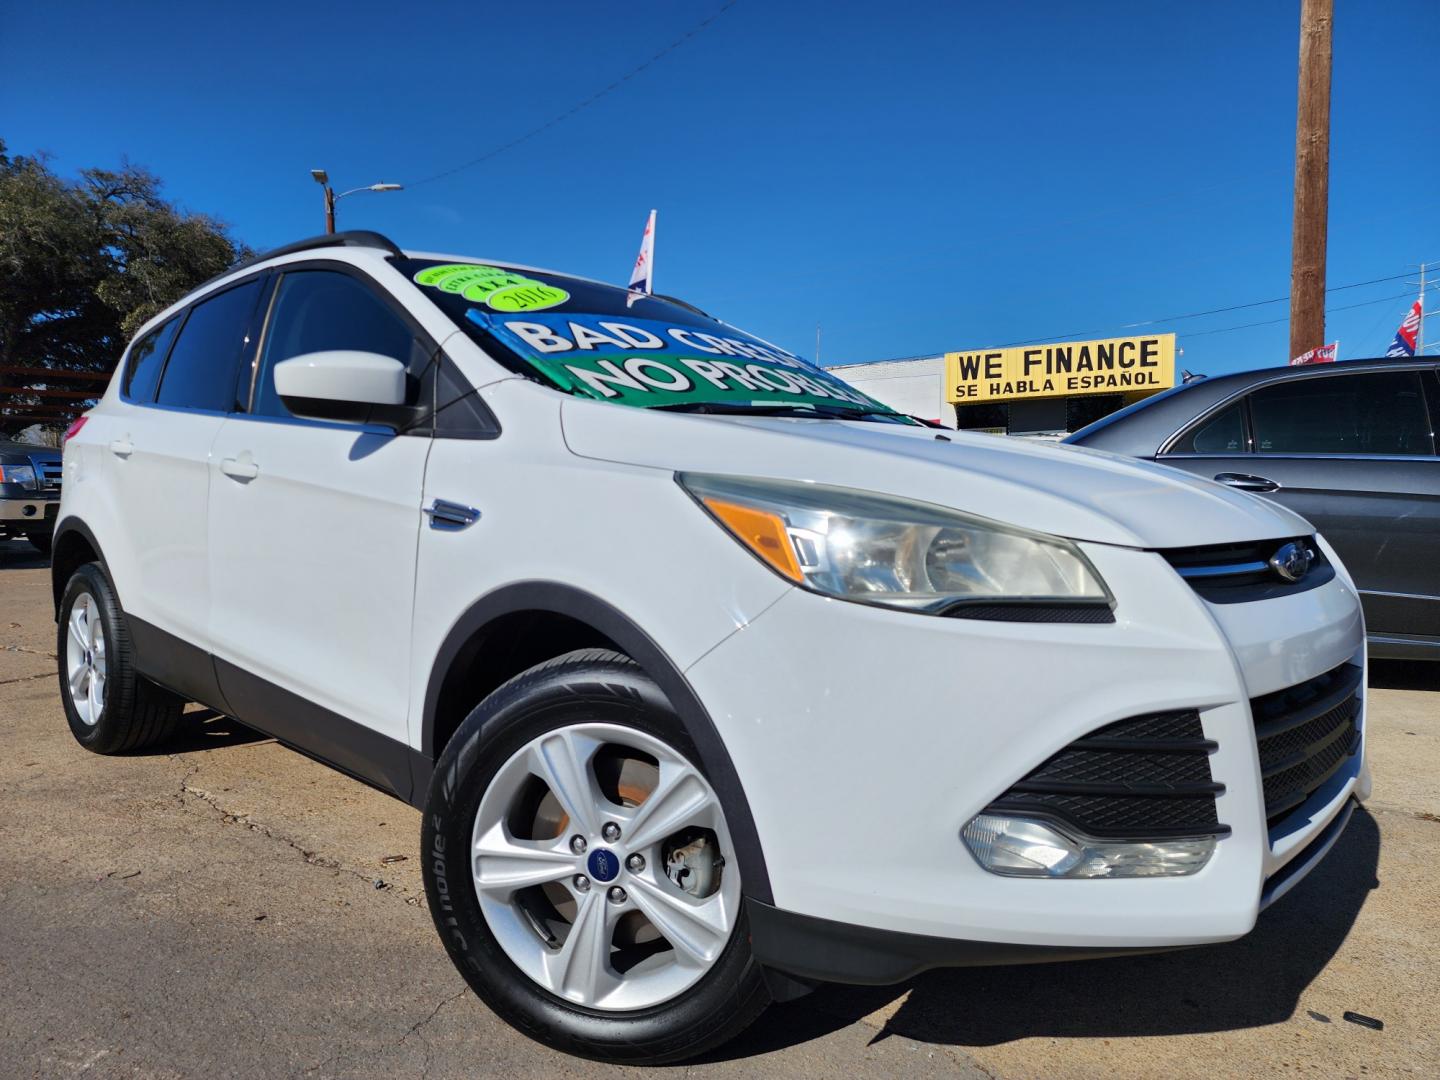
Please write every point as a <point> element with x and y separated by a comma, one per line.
<point>1062,490</point>
<point>28,451</point>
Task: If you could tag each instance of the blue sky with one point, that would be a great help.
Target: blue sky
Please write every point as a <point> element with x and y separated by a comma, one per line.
<point>912,177</point>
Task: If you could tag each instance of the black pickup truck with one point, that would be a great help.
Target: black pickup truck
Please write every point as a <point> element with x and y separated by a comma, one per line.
<point>29,492</point>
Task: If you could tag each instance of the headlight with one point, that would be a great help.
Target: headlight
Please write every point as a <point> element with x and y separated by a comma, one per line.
<point>877,549</point>
<point>24,475</point>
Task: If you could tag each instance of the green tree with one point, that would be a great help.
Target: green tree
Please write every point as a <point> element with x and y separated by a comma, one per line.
<point>84,263</point>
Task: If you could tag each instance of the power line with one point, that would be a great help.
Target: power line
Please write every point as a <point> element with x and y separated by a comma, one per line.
<point>1212,311</point>
<point>1256,303</point>
<point>585,104</point>
<point>1286,318</point>
<point>1074,334</point>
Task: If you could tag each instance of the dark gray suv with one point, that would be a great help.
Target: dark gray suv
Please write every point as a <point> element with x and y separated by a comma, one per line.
<point>1350,446</point>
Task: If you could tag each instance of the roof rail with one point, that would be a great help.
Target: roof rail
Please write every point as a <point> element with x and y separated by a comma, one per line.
<point>353,238</point>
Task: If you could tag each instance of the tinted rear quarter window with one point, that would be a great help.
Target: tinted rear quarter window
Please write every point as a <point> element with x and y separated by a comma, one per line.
<point>200,373</point>
<point>1223,433</point>
<point>147,356</point>
<point>1380,412</point>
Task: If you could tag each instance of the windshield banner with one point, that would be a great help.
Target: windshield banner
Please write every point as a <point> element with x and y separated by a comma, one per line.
<point>644,362</point>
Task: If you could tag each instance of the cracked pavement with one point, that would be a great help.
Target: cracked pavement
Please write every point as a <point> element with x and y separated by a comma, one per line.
<point>223,906</point>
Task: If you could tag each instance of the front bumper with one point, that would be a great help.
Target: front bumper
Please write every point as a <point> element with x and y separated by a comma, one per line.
<point>868,738</point>
<point>826,951</point>
<point>29,509</point>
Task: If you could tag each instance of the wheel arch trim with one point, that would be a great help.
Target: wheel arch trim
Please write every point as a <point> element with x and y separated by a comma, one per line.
<point>558,599</point>
<point>72,525</point>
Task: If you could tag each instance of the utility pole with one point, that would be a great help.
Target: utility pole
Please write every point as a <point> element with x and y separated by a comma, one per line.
<point>1312,179</point>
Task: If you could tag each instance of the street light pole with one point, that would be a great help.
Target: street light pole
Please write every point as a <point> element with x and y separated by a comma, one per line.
<point>323,179</point>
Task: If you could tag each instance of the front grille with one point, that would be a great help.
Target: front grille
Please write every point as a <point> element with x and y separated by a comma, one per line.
<point>49,473</point>
<point>1144,778</point>
<point>1306,733</point>
<point>1240,573</point>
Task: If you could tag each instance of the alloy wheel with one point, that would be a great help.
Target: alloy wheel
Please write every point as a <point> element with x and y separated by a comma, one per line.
<point>604,867</point>
<point>85,659</point>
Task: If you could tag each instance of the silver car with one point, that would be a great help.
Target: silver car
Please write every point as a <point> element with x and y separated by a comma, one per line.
<point>1350,446</point>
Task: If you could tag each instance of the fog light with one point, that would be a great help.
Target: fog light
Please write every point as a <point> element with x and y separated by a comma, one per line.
<point>1022,847</point>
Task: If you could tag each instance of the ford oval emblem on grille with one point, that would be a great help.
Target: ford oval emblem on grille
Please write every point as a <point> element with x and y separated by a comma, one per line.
<point>603,865</point>
<point>1292,561</point>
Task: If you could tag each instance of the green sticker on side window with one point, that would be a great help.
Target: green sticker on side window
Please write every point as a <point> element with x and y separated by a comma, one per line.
<point>499,289</point>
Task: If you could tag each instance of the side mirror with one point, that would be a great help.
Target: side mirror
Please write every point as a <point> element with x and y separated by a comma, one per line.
<point>344,384</point>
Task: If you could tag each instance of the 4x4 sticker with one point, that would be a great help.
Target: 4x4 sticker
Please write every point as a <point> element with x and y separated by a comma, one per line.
<point>644,362</point>
<point>497,288</point>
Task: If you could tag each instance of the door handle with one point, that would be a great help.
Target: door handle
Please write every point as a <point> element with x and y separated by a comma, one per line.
<point>451,517</point>
<point>1246,482</point>
<point>122,448</point>
<point>237,469</point>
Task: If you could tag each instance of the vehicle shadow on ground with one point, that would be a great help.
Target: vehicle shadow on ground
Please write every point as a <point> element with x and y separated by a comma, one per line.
<point>206,729</point>
<point>21,555</point>
<point>1404,675</point>
<point>1249,983</point>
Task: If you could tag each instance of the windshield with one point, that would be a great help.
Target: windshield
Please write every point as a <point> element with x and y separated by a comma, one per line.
<point>631,348</point>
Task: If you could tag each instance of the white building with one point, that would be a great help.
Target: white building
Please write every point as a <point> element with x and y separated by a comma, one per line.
<point>916,387</point>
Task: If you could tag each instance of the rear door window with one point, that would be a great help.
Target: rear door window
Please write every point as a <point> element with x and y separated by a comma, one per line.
<point>1380,412</point>
<point>324,310</point>
<point>200,373</point>
<point>147,357</point>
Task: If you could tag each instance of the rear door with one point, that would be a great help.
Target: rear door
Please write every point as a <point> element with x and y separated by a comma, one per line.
<point>181,378</point>
<point>1354,453</point>
<point>313,528</point>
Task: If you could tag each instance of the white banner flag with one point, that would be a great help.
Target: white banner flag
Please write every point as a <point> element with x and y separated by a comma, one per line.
<point>642,277</point>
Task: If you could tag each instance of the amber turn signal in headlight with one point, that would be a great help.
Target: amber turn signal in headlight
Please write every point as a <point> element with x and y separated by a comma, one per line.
<point>760,531</point>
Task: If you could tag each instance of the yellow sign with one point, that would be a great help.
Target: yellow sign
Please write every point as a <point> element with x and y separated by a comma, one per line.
<point>1115,365</point>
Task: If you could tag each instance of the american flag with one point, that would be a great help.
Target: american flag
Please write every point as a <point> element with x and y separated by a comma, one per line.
<point>1404,343</point>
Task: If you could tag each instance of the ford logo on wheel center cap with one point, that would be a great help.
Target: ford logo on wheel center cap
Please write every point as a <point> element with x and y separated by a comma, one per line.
<point>1292,561</point>
<point>604,865</point>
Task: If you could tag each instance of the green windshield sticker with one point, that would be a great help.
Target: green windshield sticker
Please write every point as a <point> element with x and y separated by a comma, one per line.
<point>530,296</point>
<point>501,290</point>
<point>436,275</point>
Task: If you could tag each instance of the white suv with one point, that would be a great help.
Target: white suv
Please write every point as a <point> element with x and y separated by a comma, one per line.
<point>712,677</point>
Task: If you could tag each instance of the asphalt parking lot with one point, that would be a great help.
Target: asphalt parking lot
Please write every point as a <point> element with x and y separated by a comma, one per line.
<point>222,906</point>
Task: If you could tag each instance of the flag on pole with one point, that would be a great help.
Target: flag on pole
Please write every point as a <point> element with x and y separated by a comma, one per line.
<point>642,277</point>
<point>1404,343</point>
<point>1324,354</point>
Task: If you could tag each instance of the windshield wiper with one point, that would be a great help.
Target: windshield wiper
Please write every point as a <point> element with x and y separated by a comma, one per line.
<point>726,408</point>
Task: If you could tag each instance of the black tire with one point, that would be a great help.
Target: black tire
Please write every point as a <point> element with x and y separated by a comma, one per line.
<point>588,685</point>
<point>136,712</point>
<point>41,541</point>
